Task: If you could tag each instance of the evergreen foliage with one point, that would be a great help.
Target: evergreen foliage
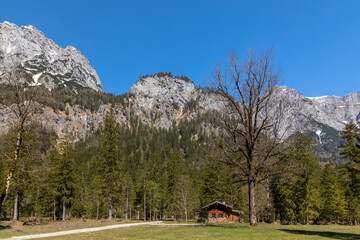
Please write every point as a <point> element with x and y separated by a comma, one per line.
<point>332,196</point>
<point>57,99</point>
<point>139,172</point>
<point>166,74</point>
<point>351,169</point>
<point>110,159</point>
<point>62,177</point>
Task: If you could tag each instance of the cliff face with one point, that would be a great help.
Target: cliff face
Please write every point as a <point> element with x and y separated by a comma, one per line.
<point>162,101</point>
<point>322,118</point>
<point>43,61</point>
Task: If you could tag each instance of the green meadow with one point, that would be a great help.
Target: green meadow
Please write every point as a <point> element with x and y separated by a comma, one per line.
<point>182,231</point>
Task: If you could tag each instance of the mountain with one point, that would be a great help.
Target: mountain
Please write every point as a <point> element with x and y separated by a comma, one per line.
<point>172,97</point>
<point>332,111</point>
<point>323,118</point>
<point>320,118</point>
<point>163,100</point>
<point>75,100</point>
<point>43,61</point>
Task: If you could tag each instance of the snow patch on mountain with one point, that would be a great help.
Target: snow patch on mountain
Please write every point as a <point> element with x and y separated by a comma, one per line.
<point>48,63</point>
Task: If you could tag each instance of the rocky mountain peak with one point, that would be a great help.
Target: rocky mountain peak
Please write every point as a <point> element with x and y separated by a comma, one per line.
<point>164,87</point>
<point>43,60</point>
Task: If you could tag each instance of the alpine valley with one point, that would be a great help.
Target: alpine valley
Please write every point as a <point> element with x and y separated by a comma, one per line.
<point>72,97</point>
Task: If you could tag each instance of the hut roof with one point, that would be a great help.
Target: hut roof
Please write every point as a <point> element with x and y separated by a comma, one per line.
<point>239,212</point>
<point>217,203</point>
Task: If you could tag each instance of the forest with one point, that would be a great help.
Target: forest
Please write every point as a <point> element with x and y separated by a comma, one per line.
<point>134,171</point>
<point>237,155</point>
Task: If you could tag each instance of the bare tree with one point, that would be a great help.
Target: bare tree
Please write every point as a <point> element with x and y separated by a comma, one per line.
<point>185,195</point>
<point>253,118</point>
<point>22,105</point>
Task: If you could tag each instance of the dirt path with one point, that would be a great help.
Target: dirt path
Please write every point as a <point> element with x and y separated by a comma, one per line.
<point>84,230</point>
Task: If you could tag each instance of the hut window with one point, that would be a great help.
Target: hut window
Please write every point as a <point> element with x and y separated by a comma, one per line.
<point>220,216</point>
<point>214,215</point>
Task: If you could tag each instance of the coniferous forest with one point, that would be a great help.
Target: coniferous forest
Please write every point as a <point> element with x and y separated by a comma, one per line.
<point>134,171</point>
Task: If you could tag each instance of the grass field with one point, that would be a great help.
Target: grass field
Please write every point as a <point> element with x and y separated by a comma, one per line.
<point>10,229</point>
<point>167,231</point>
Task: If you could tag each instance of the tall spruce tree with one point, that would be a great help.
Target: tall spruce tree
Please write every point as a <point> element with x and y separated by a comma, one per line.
<point>306,183</point>
<point>62,176</point>
<point>333,196</point>
<point>351,149</point>
<point>296,194</point>
<point>351,152</point>
<point>175,166</point>
<point>111,158</point>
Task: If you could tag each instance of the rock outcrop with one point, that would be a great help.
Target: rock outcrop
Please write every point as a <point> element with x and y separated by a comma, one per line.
<point>160,101</point>
<point>44,62</point>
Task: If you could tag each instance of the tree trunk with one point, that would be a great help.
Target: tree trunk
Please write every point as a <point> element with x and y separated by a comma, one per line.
<point>54,211</point>
<point>6,186</point>
<point>127,203</point>
<point>150,211</point>
<point>144,200</point>
<point>307,214</point>
<point>64,211</point>
<point>252,204</point>
<point>12,212</point>
<point>97,209</point>
<point>110,210</point>
<point>268,205</point>
<point>130,212</point>
<point>16,206</point>
<point>186,215</point>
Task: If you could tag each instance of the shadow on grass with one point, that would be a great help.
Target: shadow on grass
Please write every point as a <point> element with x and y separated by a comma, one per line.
<point>4,227</point>
<point>334,235</point>
<point>226,226</point>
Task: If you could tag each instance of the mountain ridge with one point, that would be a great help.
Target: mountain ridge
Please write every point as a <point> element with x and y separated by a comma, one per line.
<point>163,101</point>
<point>28,50</point>
<point>159,100</point>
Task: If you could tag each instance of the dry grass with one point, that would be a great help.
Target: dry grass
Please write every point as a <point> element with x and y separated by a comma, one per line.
<point>17,226</point>
<point>222,232</point>
<point>26,227</point>
<point>180,231</point>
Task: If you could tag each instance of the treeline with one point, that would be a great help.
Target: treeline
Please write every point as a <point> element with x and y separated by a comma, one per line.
<point>134,171</point>
<point>167,74</point>
<point>57,99</point>
<point>128,171</point>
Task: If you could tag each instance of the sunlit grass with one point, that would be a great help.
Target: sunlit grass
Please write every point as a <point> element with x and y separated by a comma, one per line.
<point>233,231</point>
<point>172,230</point>
<point>9,228</point>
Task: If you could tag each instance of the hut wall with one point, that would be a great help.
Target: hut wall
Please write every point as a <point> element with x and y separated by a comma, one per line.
<point>216,215</point>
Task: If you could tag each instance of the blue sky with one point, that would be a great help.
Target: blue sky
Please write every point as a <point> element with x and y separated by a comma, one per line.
<point>317,43</point>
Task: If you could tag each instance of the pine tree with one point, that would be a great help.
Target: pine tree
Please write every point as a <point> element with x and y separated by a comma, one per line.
<point>175,166</point>
<point>62,176</point>
<point>351,149</point>
<point>333,196</point>
<point>351,152</point>
<point>296,194</point>
<point>306,184</point>
<point>111,157</point>
<point>129,192</point>
<point>210,188</point>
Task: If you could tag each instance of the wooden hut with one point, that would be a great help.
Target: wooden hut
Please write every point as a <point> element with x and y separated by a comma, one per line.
<point>221,212</point>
